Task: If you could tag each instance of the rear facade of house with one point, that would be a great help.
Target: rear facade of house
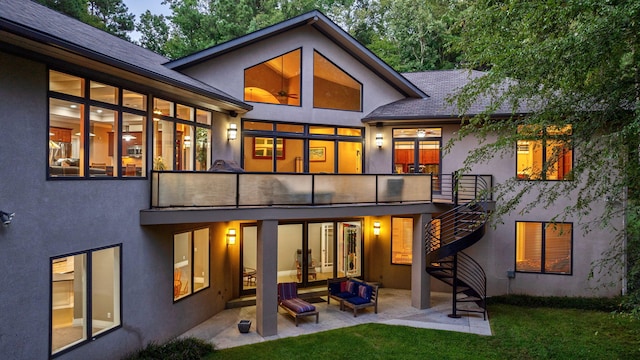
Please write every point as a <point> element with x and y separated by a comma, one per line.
<point>147,193</point>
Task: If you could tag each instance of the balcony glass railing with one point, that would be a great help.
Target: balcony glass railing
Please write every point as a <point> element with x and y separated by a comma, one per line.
<point>208,189</point>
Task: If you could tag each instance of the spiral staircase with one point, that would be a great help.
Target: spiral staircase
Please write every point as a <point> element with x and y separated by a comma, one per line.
<point>452,232</point>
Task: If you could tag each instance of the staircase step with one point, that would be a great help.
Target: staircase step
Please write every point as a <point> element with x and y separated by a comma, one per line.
<point>441,275</point>
<point>469,299</point>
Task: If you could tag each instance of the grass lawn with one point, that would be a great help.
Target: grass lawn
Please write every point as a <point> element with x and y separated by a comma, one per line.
<point>519,333</point>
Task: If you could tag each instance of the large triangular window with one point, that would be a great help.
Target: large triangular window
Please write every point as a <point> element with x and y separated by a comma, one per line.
<point>333,88</point>
<point>275,81</point>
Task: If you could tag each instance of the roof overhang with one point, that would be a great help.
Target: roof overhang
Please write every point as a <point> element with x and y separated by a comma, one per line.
<point>440,119</point>
<point>24,41</point>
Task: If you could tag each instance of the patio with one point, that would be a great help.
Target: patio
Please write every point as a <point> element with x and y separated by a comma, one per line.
<point>394,308</point>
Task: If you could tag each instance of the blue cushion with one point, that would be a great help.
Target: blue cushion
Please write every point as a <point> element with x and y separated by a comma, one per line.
<point>344,295</point>
<point>334,288</point>
<point>357,300</point>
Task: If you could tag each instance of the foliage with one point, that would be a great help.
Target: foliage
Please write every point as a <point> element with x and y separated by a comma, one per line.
<point>177,349</point>
<point>407,43</point>
<point>557,302</point>
<point>417,42</point>
<point>154,32</point>
<point>518,333</point>
<point>562,62</point>
<point>109,15</point>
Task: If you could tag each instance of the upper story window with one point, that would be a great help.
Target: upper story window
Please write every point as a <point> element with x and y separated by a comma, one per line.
<point>301,148</point>
<point>181,141</point>
<point>275,81</point>
<point>544,153</point>
<point>417,150</point>
<point>333,88</point>
<point>97,131</point>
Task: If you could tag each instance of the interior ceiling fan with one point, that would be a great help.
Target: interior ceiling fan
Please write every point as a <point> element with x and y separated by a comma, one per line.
<point>284,93</point>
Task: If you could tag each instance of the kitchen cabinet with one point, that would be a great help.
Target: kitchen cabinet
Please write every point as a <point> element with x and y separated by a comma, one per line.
<point>60,134</point>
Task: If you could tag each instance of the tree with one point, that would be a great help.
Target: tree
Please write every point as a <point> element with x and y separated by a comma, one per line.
<point>570,63</point>
<point>109,15</point>
<point>417,42</point>
<point>112,16</point>
<point>199,24</point>
<point>154,32</point>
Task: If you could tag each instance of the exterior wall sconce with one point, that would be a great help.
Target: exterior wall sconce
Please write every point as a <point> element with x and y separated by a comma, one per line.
<point>6,217</point>
<point>232,132</point>
<point>379,140</point>
<point>376,228</point>
<point>231,236</point>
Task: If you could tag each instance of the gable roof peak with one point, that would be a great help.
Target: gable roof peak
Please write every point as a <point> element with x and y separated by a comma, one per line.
<point>323,25</point>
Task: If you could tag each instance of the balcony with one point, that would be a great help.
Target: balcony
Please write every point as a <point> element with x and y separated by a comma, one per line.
<point>242,190</point>
<point>207,189</point>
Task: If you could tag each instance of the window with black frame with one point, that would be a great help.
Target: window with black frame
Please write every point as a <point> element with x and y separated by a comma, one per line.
<point>544,247</point>
<point>301,148</point>
<point>76,278</point>
<point>544,153</point>
<point>96,130</point>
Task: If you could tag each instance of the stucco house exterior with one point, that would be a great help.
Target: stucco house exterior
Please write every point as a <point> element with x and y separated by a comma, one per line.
<point>146,194</point>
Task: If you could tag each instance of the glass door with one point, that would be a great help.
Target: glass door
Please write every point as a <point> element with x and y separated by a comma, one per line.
<point>349,249</point>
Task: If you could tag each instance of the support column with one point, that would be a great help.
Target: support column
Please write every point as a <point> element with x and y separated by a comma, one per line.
<point>420,280</point>
<point>267,278</point>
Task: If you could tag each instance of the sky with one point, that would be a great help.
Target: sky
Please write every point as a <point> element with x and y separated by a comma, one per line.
<point>138,7</point>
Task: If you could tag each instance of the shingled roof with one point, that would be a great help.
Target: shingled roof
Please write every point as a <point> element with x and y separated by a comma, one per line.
<point>439,85</point>
<point>36,22</point>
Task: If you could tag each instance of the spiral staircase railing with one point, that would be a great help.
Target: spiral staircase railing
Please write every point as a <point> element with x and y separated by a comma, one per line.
<point>452,232</point>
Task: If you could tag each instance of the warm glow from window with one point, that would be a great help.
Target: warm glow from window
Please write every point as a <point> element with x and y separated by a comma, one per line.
<point>401,240</point>
<point>276,81</point>
<point>543,247</point>
<point>333,88</point>
<point>548,148</point>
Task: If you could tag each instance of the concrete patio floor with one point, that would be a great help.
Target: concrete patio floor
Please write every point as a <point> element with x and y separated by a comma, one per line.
<point>394,308</point>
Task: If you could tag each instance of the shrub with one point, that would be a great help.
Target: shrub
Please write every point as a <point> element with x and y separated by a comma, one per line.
<point>581,303</point>
<point>176,349</point>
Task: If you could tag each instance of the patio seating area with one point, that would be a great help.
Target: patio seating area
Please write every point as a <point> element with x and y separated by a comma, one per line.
<point>394,308</point>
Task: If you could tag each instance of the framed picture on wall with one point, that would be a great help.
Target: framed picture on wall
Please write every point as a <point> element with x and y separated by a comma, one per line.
<point>263,148</point>
<point>318,153</point>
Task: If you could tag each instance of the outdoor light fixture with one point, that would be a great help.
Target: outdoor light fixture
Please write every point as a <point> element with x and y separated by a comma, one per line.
<point>379,140</point>
<point>6,217</point>
<point>232,132</point>
<point>376,228</point>
<point>231,236</point>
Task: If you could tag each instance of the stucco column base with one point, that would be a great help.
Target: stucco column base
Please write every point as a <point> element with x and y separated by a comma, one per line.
<point>420,280</point>
<point>267,278</point>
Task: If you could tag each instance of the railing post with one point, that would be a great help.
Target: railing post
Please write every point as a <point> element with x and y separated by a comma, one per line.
<point>313,189</point>
<point>454,313</point>
<point>237,190</point>
<point>454,185</point>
